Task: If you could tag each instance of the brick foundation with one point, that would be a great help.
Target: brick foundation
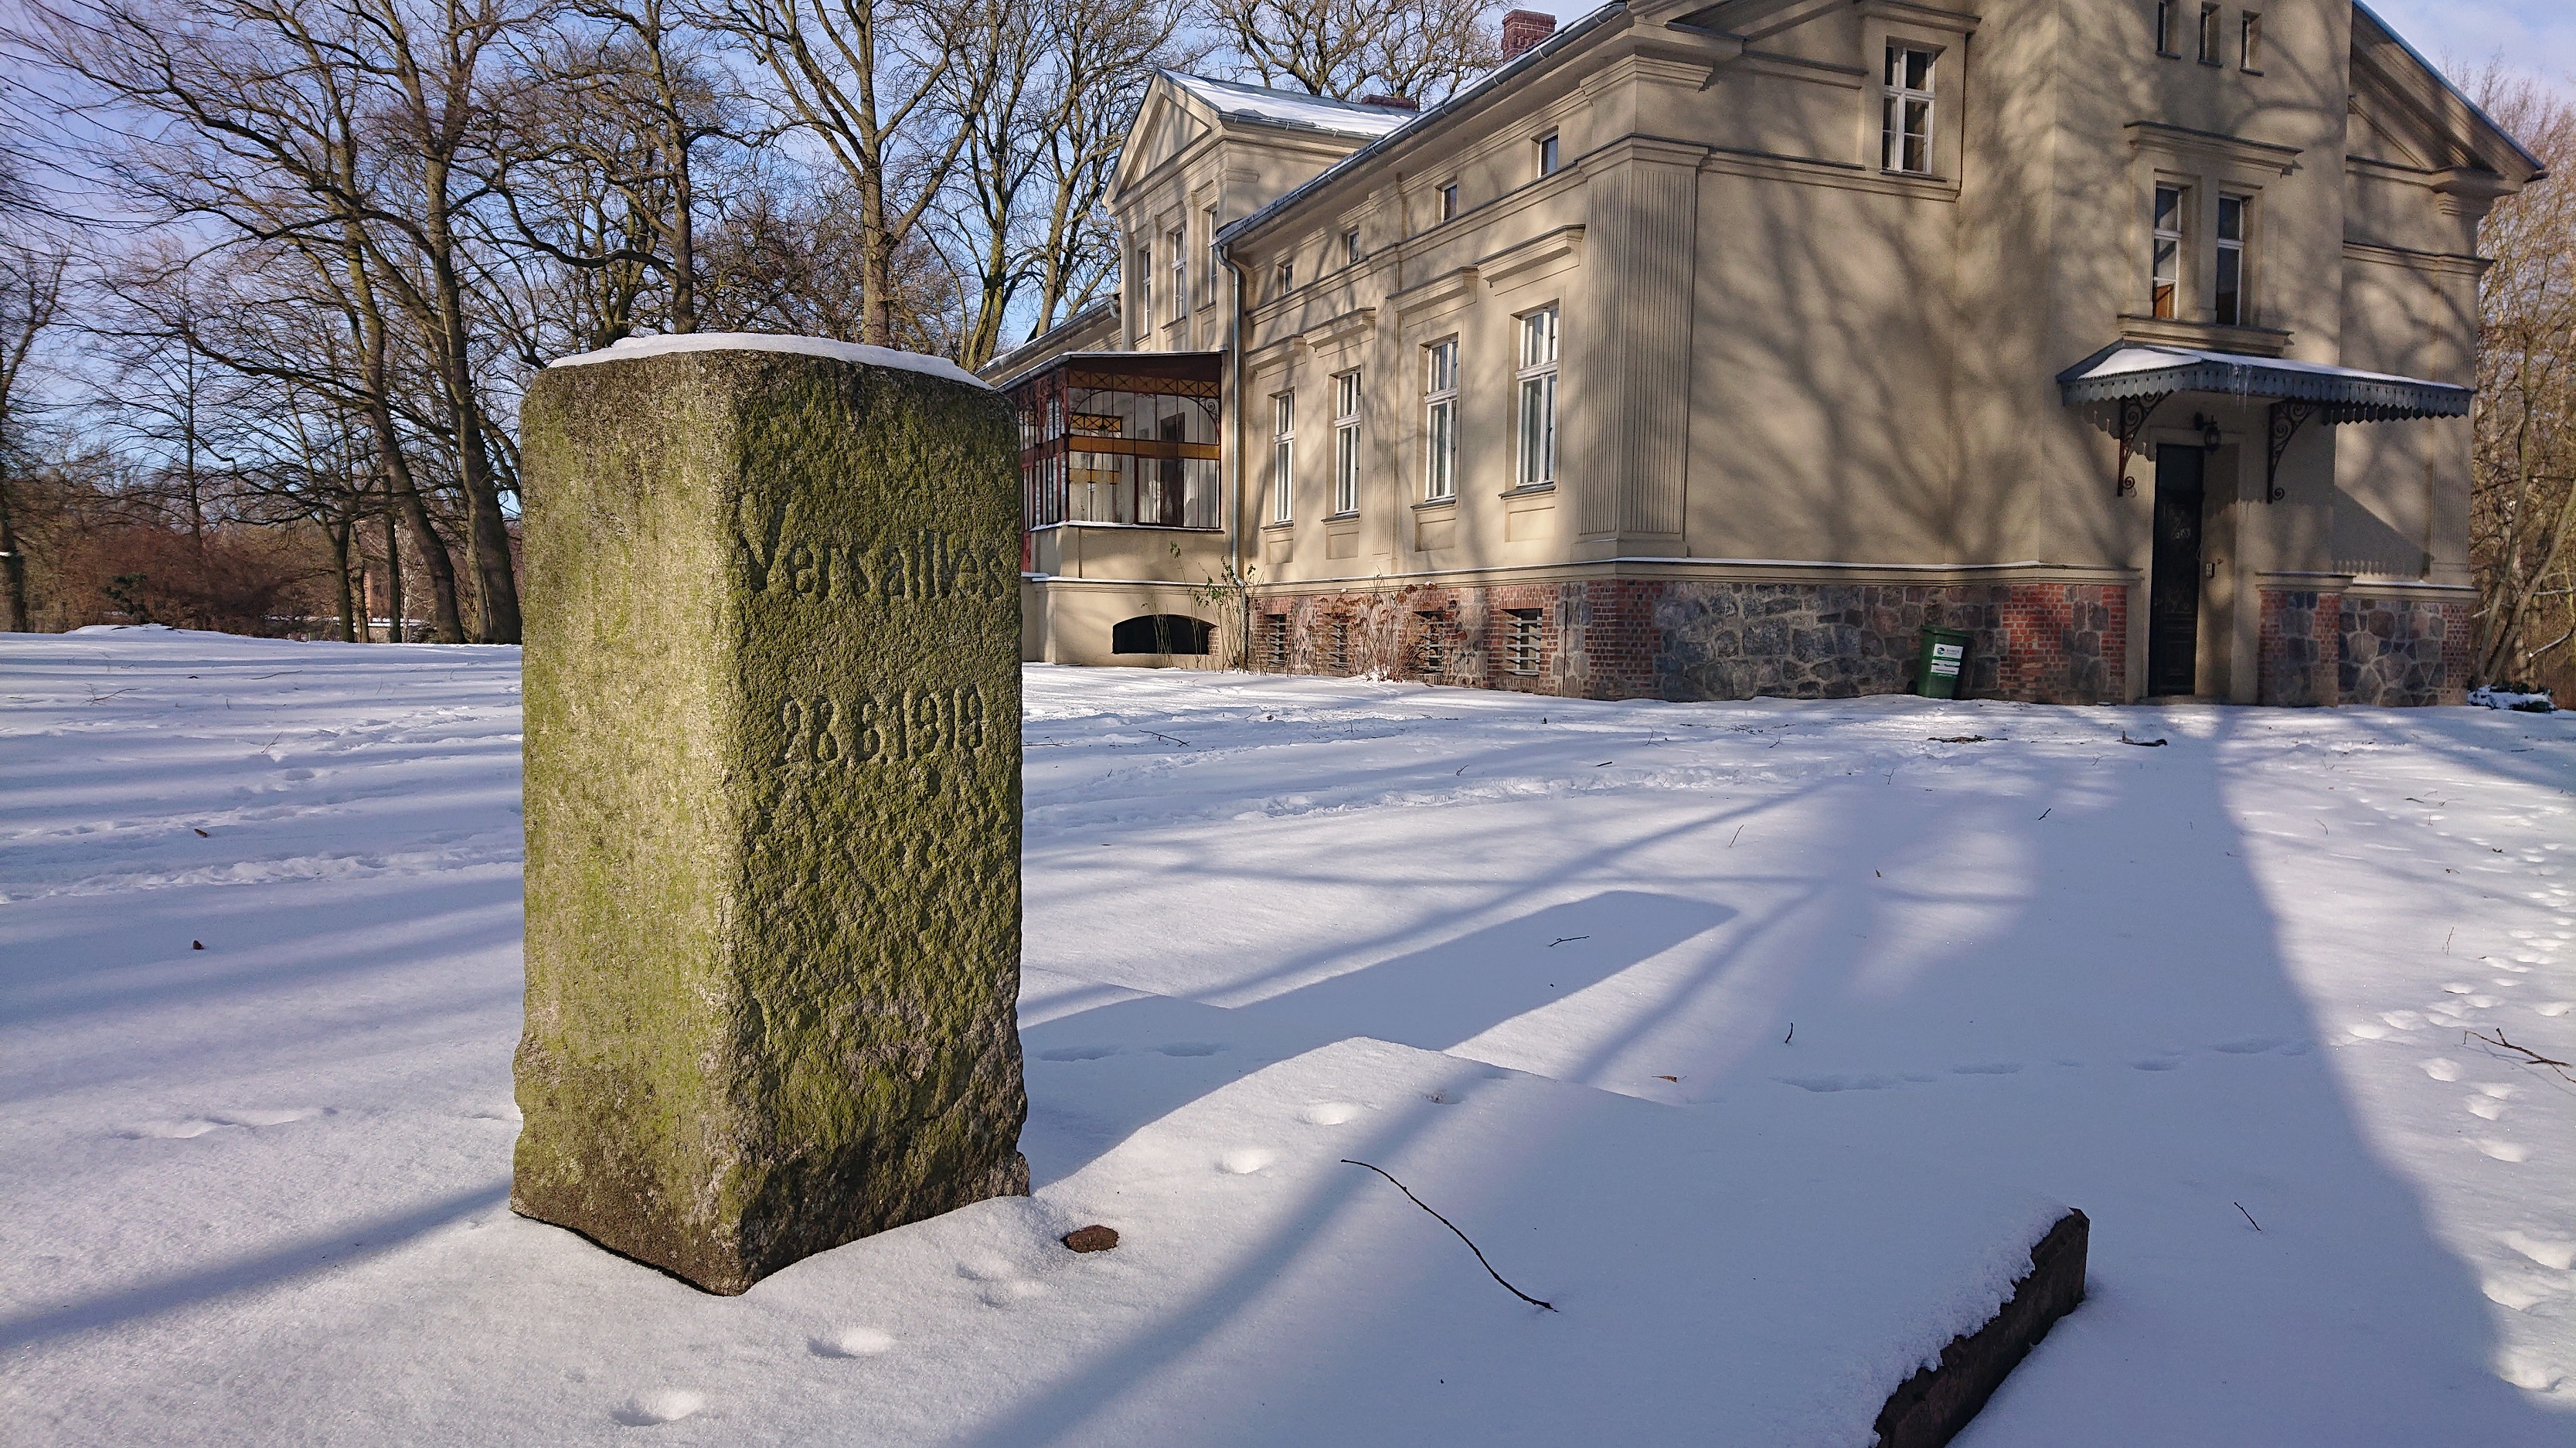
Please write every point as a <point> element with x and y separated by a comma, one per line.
<point>1690,639</point>
<point>2302,643</point>
<point>2399,650</point>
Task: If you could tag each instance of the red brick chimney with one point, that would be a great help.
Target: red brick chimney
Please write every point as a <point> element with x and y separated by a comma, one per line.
<point>1393,103</point>
<point>1523,29</point>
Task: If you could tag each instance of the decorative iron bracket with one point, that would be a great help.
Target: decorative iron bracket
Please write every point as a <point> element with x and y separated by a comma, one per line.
<point>2288,415</point>
<point>2134,412</point>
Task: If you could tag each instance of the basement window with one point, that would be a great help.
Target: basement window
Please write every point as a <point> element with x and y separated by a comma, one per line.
<point>1274,642</point>
<point>1521,640</point>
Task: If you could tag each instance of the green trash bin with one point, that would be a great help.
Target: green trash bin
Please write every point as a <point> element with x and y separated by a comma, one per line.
<point>1944,660</point>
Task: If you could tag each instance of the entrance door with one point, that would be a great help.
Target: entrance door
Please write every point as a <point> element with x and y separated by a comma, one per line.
<point>1167,490</point>
<point>2173,589</point>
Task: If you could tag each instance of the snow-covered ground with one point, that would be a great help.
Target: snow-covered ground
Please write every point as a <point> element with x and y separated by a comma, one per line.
<point>1753,1036</point>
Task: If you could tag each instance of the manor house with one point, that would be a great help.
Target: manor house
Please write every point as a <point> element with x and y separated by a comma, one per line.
<point>1706,351</point>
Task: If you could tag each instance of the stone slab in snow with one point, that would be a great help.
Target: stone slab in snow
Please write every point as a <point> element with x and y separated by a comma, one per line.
<point>773,805</point>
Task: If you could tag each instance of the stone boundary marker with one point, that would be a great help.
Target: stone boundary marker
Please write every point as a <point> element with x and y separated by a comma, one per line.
<point>1928,1409</point>
<point>772,692</point>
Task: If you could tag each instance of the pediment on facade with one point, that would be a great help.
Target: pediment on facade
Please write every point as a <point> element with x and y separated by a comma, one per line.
<point>2418,118</point>
<point>1169,122</point>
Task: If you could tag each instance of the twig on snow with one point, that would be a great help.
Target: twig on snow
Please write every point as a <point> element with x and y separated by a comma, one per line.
<point>1562,939</point>
<point>1463,1237</point>
<point>1793,1034</point>
<point>1168,739</point>
<point>2249,1216</point>
<point>2528,1054</point>
<point>2143,744</point>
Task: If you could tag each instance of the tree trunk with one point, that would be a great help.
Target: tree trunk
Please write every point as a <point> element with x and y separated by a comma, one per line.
<point>393,576</point>
<point>340,528</point>
<point>13,566</point>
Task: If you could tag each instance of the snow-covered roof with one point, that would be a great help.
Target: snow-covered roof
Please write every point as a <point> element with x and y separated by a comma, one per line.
<point>2141,369</point>
<point>1528,60</point>
<point>634,347</point>
<point>1291,108</point>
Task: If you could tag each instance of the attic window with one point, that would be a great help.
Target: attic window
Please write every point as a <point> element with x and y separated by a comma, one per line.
<point>2165,30</point>
<point>1449,201</point>
<point>1351,247</point>
<point>1287,277</point>
<point>2249,45</point>
<point>2209,36</point>
<point>1547,154</point>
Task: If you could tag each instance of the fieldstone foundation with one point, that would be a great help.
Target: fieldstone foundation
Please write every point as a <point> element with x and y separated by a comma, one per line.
<point>2401,650</point>
<point>1693,639</point>
<point>773,806</point>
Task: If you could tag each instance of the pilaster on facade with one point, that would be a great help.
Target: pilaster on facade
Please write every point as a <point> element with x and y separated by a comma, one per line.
<point>1634,341</point>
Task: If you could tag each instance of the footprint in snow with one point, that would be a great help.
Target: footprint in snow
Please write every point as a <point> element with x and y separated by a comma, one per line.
<point>2252,1045</point>
<point>1841,1083</point>
<point>662,1405</point>
<point>2166,1062</point>
<point>1245,1160</point>
<point>1078,1053</point>
<point>2508,1151</point>
<point>851,1342</point>
<point>1329,1113</point>
<point>1190,1048</point>
<point>2548,1252</point>
<point>2554,1008</point>
<point>187,1127</point>
<point>2442,1068</point>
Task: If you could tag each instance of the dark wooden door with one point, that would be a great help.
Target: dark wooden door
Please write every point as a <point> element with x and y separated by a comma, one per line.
<point>1167,477</point>
<point>2173,588</point>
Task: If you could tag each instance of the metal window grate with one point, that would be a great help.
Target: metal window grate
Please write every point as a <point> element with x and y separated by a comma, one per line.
<point>1431,645</point>
<point>1274,642</point>
<point>1337,651</point>
<point>1521,643</point>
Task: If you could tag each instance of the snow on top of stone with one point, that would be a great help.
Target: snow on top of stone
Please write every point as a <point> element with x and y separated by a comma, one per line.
<point>1292,108</point>
<point>633,347</point>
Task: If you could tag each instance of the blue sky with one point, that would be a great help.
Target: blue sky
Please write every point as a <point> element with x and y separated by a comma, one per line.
<point>2538,36</point>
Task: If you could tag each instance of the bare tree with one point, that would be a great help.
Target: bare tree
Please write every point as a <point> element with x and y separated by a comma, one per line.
<point>2523,512</point>
<point>31,298</point>
<point>876,85</point>
<point>1422,49</point>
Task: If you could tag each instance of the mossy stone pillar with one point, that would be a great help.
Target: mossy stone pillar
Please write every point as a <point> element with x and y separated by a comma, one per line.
<point>773,800</point>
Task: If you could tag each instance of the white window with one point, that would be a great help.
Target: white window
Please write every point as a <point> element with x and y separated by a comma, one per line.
<point>1180,273</point>
<point>1449,201</point>
<point>2249,44</point>
<point>2227,281</point>
<point>1346,442</point>
<point>1905,122</point>
<point>2209,35</point>
<point>2165,29</point>
<point>1144,290</point>
<point>1283,453</point>
<point>1351,247</point>
<point>1538,398</point>
<point>1440,419</point>
<point>1547,154</point>
<point>1521,640</point>
<point>2165,266</point>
